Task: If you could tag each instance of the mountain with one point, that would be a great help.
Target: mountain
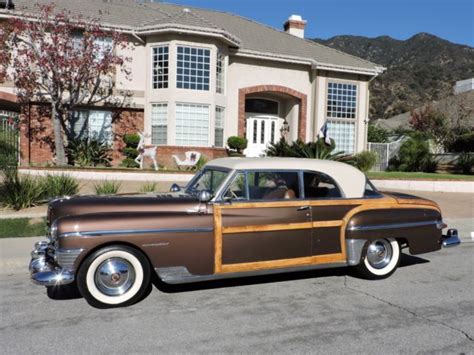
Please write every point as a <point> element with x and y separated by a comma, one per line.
<point>420,69</point>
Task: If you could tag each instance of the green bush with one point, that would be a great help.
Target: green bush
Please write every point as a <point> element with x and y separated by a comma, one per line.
<point>365,161</point>
<point>148,187</point>
<point>310,150</point>
<point>88,152</point>
<point>465,163</point>
<point>20,192</point>
<point>60,185</point>
<point>377,134</point>
<point>414,155</point>
<point>129,163</point>
<point>107,187</point>
<point>131,140</point>
<point>463,143</point>
<point>130,152</point>
<point>237,143</point>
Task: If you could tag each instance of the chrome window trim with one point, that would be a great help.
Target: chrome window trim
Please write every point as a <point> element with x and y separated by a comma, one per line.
<point>396,225</point>
<point>135,231</point>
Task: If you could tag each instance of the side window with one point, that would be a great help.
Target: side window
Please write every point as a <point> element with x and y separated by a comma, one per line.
<point>237,189</point>
<point>273,185</point>
<point>319,185</point>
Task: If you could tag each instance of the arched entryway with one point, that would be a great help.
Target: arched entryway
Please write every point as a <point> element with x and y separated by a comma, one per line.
<point>262,111</point>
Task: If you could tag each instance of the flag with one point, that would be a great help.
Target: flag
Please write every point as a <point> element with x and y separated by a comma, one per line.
<point>323,133</point>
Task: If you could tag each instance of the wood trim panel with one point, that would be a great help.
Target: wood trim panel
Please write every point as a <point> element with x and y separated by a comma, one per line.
<point>217,240</point>
<point>275,264</point>
<point>364,205</point>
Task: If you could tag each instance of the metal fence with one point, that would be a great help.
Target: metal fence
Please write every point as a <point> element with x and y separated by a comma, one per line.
<point>9,138</point>
<point>385,152</point>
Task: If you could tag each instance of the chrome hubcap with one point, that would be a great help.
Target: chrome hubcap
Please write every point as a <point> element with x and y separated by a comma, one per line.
<point>114,276</point>
<point>379,253</point>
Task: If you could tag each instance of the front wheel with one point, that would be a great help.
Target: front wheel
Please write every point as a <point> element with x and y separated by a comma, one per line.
<point>114,276</point>
<point>381,259</point>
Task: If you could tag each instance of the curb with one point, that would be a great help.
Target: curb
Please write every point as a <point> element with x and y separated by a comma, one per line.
<point>426,185</point>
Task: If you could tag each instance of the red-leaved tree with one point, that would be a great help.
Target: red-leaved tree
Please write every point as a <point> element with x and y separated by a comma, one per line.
<point>64,60</point>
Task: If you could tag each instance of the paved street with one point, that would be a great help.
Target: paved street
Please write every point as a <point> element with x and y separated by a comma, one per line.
<point>427,306</point>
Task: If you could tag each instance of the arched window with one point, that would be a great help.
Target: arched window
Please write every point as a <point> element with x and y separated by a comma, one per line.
<point>263,106</point>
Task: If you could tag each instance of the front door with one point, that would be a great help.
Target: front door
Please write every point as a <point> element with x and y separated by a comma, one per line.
<point>265,225</point>
<point>262,130</point>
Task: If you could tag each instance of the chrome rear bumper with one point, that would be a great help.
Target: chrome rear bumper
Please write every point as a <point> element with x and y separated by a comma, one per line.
<point>43,268</point>
<point>451,239</point>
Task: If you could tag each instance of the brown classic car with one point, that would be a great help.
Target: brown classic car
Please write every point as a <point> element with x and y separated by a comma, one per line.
<point>236,217</point>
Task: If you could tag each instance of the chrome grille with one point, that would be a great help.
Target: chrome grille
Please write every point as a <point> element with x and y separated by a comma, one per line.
<point>66,257</point>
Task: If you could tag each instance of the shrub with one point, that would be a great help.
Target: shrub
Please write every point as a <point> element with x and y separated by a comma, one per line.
<point>60,185</point>
<point>131,140</point>
<point>148,187</point>
<point>414,155</point>
<point>465,163</point>
<point>463,143</point>
<point>130,152</point>
<point>311,150</point>
<point>377,134</point>
<point>200,163</point>
<point>107,187</point>
<point>365,161</point>
<point>129,163</point>
<point>20,192</point>
<point>237,143</point>
<point>88,152</point>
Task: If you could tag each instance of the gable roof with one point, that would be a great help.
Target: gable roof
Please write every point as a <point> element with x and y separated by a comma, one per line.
<point>250,38</point>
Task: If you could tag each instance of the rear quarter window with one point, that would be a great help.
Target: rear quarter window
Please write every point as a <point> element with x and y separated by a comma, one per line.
<point>320,186</point>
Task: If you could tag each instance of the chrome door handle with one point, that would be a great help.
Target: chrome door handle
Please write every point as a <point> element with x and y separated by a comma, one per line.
<point>303,208</point>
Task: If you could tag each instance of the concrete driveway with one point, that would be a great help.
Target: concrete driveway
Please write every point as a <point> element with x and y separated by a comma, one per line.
<point>427,306</point>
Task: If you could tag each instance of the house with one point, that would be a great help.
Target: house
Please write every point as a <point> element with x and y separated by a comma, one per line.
<point>201,76</point>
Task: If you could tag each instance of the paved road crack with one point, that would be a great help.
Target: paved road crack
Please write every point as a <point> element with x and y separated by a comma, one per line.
<point>416,315</point>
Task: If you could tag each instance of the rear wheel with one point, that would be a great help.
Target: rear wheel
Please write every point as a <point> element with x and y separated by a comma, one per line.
<point>114,276</point>
<point>381,259</point>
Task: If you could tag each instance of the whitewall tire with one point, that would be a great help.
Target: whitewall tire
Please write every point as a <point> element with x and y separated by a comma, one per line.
<point>380,260</point>
<point>114,276</point>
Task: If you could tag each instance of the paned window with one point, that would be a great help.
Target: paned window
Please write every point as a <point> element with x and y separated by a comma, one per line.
<point>193,68</point>
<point>91,124</point>
<point>219,127</point>
<point>220,73</point>
<point>160,67</point>
<point>342,99</point>
<point>159,123</point>
<point>343,133</point>
<point>192,125</point>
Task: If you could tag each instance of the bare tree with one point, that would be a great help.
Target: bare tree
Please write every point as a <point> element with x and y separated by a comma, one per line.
<point>63,60</point>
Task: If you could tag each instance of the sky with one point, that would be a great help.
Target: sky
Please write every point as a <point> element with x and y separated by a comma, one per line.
<point>449,19</point>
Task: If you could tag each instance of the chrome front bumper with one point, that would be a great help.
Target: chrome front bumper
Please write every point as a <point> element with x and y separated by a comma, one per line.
<point>451,239</point>
<point>43,267</point>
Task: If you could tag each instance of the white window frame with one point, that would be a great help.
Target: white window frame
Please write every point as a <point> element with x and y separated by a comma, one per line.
<point>166,84</point>
<point>183,82</point>
<point>159,123</point>
<point>342,100</point>
<point>186,141</point>
<point>220,75</point>
<point>219,128</point>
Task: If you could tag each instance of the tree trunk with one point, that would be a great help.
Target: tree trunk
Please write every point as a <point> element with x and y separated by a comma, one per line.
<point>58,138</point>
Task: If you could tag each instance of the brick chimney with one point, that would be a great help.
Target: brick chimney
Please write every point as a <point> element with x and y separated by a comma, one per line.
<point>295,26</point>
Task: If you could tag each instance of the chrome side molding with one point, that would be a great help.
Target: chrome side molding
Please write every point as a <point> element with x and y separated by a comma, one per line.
<point>438,224</point>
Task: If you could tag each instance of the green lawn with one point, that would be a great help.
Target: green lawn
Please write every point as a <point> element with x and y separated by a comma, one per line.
<point>22,227</point>
<point>421,176</point>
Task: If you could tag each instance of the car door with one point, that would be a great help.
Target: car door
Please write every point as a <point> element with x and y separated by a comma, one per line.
<point>328,209</point>
<point>264,223</point>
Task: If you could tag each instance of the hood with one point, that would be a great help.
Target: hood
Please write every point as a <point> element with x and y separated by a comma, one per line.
<point>80,205</point>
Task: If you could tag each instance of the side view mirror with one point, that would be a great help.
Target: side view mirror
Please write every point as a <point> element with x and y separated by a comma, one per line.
<point>204,196</point>
<point>175,188</point>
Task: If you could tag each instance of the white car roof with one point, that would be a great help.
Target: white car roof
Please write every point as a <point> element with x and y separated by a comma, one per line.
<point>351,180</point>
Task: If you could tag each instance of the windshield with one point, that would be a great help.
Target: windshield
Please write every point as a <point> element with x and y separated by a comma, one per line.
<point>209,179</point>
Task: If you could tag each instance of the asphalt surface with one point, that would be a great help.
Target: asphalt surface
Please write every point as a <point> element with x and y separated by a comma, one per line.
<point>427,306</point>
